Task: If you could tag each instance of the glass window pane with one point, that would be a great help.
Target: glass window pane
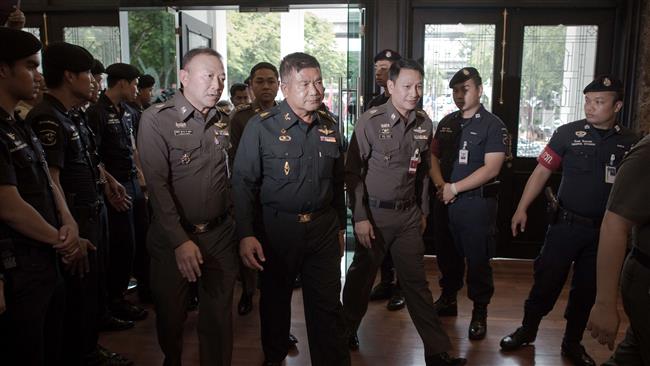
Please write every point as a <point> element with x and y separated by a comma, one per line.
<point>447,49</point>
<point>197,40</point>
<point>558,61</point>
<point>102,42</point>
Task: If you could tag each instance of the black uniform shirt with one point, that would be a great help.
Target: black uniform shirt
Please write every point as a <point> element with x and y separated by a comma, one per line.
<point>584,155</point>
<point>377,101</point>
<point>484,133</point>
<point>295,167</point>
<point>630,196</point>
<point>22,164</point>
<point>239,118</point>
<point>380,155</point>
<point>185,162</point>
<point>65,149</point>
<point>114,136</point>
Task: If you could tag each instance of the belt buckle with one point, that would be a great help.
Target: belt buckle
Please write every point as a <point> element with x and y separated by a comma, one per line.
<point>304,218</point>
<point>200,228</point>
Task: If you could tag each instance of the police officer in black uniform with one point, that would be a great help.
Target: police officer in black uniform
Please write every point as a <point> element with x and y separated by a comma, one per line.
<point>264,79</point>
<point>290,158</point>
<point>111,119</point>
<point>35,222</point>
<point>383,60</point>
<point>468,149</point>
<point>70,154</point>
<point>589,151</point>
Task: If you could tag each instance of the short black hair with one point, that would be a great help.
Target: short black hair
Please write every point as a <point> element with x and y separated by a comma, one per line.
<point>261,66</point>
<point>196,52</point>
<point>297,61</point>
<point>234,88</point>
<point>404,63</point>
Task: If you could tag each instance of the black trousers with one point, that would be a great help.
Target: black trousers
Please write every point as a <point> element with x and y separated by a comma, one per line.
<point>450,262</point>
<point>634,349</point>
<point>311,249</point>
<point>565,245</point>
<point>84,295</point>
<point>31,328</point>
<point>171,294</point>
<point>397,232</point>
<point>122,244</point>
<point>472,222</point>
<point>141,262</point>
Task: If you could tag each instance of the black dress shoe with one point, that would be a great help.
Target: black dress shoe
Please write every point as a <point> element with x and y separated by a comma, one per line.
<point>396,302</point>
<point>113,324</point>
<point>443,359</point>
<point>478,326</point>
<point>103,357</point>
<point>245,305</point>
<point>292,340</point>
<point>123,309</point>
<point>518,338</point>
<point>353,342</point>
<point>383,291</point>
<point>576,353</point>
<point>446,306</point>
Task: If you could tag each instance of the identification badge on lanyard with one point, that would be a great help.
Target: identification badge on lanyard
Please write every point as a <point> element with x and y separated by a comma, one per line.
<point>610,170</point>
<point>413,163</point>
<point>463,155</point>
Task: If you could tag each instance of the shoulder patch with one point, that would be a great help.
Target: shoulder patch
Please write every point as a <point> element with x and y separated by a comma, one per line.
<point>161,106</point>
<point>267,114</point>
<point>421,113</point>
<point>243,107</point>
<point>327,116</point>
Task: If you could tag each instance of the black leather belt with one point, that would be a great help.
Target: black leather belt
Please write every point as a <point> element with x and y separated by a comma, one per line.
<point>568,217</point>
<point>391,205</point>
<point>204,227</point>
<point>641,257</point>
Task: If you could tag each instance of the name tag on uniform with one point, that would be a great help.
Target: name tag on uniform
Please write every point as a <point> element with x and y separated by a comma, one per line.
<point>328,138</point>
<point>182,132</point>
<point>610,170</point>
<point>420,137</point>
<point>113,121</point>
<point>463,155</point>
<point>413,163</point>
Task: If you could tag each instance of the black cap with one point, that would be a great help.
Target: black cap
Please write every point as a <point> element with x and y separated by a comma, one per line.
<point>146,81</point>
<point>121,71</point>
<point>17,44</point>
<point>463,75</point>
<point>66,56</point>
<point>387,54</point>
<point>98,68</point>
<point>604,83</point>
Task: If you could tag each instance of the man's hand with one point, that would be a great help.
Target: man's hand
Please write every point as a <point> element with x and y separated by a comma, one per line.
<point>16,19</point>
<point>518,222</point>
<point>3,304</point>
<point>603,323</point>
<point>189,260</point>
<point>439,191</point>
<point>251,253</point>
<point>423,224</point>
<point>69,240</point>
<point>447,195</point>
<point>365,233</point>
<point>117,197</point>
<point>341,242</point>
<point>78,263</point>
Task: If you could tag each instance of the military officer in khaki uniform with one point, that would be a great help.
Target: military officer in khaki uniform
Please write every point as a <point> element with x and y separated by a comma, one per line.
<point>386,177</point>
<point>184,151</point>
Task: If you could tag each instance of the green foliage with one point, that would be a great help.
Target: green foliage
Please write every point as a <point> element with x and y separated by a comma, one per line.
<point>152,39</point>
<point>252,38</point>
<point>320,42</point>
<point>543,63</point>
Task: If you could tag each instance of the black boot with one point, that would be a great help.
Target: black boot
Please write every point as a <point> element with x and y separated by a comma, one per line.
<point>397,301</point>
<point>576,353</point>
<point>520,337</point>
<point>478,325</point>
<point>447,305</point>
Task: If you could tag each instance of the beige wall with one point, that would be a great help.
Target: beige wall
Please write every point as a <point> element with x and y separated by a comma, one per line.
<point>642,112</point>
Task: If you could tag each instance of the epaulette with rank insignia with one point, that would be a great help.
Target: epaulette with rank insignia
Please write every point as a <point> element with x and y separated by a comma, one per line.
<point>327,116</point>
<point>421,113</point>
<point>163,105</point>
<point>376,111</point>
<point>267,114</point>
<point>243,107</point>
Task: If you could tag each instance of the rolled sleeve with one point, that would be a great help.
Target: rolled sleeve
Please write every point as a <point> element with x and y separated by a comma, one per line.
<point>154,156</point>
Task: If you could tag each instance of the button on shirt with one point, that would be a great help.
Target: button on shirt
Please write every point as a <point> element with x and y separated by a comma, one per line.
<point>65,148</point>
<point>584,154</point>
<point>295,167</point>
<point>22,164</point>
<point>114,136</point>
<point>185,162</point>
<point>482,134</point>
<point>380,155</point>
